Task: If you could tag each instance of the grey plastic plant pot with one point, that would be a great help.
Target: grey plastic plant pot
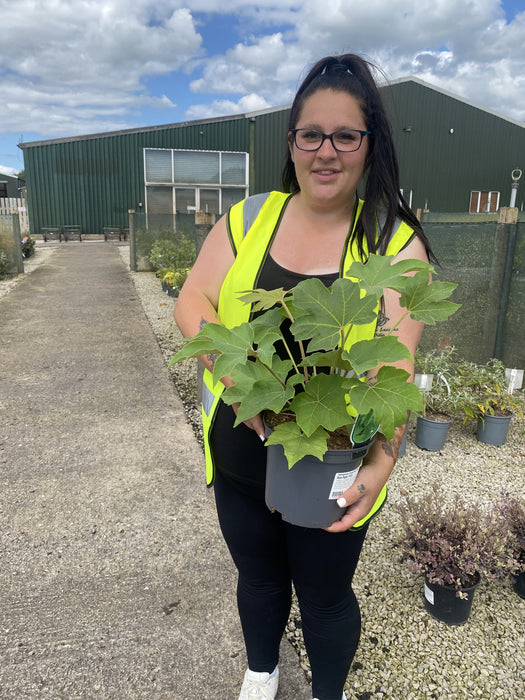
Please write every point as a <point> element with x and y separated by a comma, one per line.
<point>493,430</point>
<point>431,434</point>
<point>403,446</point>
<point>306,495</point>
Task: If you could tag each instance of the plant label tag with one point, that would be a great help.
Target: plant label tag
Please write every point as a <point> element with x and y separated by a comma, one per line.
<point>342,481</point>
<point>429,595</point>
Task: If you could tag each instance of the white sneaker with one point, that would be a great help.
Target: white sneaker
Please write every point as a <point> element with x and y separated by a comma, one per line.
<point>259,686</point>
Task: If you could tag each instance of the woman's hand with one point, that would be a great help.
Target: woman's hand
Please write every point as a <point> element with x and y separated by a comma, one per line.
<point>255,423</point>
<point>360,498</point>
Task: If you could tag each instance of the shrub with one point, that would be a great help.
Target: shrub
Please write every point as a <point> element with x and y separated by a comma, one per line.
<point>512,510</point>
<point>484,391</point>
<point>173,254</point>
<point>453,544</point>
<point>28,246</point>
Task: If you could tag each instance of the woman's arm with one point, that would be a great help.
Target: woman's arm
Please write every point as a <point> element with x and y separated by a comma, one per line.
<point>381,458</point>
<point>199,297</point>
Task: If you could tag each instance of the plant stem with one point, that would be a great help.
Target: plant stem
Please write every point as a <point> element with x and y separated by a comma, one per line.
<point>300,342</point>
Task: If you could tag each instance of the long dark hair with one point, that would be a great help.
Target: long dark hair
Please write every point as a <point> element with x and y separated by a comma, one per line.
<point>352,74</point>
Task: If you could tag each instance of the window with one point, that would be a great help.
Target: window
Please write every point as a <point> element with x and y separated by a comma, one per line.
<point>186,182</point>
<point>483,201</point>
<point>196,166</point>
<point>3,188</point>
<point>158,166</point>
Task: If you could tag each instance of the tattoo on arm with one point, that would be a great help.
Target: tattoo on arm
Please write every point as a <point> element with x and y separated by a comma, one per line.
<point>382,320</point>
<point>202,323</point>
<point>361,488</point>
<point>382,328</point>
<point>391,447</point>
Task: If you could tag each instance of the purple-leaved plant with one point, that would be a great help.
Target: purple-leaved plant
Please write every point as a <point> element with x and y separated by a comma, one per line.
<point>454,543</point>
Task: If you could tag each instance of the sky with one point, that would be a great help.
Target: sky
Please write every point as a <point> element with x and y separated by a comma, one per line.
<point>71,67</point>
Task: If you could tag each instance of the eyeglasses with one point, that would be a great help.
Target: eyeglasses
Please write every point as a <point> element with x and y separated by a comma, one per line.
<point>344,140</point>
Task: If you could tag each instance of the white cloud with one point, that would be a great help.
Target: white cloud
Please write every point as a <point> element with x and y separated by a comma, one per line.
<point>6,170</point>
<point>81,66</point>
<point>464,47</point>
<point>83,63</point>
<point>247,103</point>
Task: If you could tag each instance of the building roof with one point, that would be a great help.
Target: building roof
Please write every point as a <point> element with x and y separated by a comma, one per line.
<point>248,115</point>
<point>454,96</point>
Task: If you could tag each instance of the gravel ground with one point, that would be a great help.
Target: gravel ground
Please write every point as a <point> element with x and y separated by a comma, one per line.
<point>404,653</point>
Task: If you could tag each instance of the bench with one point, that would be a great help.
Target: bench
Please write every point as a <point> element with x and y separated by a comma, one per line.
<point>71,230</point>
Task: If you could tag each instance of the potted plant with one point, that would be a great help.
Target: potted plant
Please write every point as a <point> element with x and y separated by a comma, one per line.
<point>323,402</point>
<point>512,510</point>
<point>439,397</point>
<point>172,280</point>
<point>28,246</point>
<point>453,544</point>
<point>485,398</point>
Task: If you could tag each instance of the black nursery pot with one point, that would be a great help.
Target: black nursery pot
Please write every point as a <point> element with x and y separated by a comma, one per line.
<point>519,585</point>
<point>442,603</point>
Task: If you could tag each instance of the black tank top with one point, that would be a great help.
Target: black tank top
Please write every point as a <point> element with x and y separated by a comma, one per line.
<point>239,453</point>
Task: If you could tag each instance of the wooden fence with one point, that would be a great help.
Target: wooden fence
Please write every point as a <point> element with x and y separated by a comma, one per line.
<point>10,204</point>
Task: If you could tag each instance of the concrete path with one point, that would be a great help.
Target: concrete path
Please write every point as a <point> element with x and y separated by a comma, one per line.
<point>114,580</point>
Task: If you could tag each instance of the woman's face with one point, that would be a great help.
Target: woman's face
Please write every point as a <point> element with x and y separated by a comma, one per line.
<point>328,177</point>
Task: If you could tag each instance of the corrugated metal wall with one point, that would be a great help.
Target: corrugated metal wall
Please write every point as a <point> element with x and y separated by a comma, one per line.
<point>270,149</point>
<point>93,182</point>
<point>443,167</point>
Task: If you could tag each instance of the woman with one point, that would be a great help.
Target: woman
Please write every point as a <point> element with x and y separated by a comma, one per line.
<point>338,133</point>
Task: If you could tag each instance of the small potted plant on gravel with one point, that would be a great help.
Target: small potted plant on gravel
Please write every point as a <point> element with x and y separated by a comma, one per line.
<point>453,544</point>
<point>485,398</point>
<point>439,396</point>
<point>28,246</point>
<point>323,403</point>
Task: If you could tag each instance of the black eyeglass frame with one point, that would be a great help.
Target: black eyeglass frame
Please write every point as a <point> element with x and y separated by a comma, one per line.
<point>330,137</point>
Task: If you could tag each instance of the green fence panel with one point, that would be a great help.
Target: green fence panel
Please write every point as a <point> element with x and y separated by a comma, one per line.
<point>473,256</point>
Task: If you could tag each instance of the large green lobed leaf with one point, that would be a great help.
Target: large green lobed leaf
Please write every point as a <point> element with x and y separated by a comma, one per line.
<point>327,311</point>
<point>321,404</point>
<point>390,398</point>
<point>295,443</point>
<point>378,273</point>
<point>427,302</point>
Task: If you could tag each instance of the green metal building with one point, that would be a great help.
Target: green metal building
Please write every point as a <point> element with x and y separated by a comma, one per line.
<point>10,186</point>
<point>453,155</point>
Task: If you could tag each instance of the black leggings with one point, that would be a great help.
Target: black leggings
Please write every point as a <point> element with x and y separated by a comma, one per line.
<point>270,554</point>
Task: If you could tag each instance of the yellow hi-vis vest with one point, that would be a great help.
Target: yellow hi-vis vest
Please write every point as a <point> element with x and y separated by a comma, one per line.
<point>252,225</point>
